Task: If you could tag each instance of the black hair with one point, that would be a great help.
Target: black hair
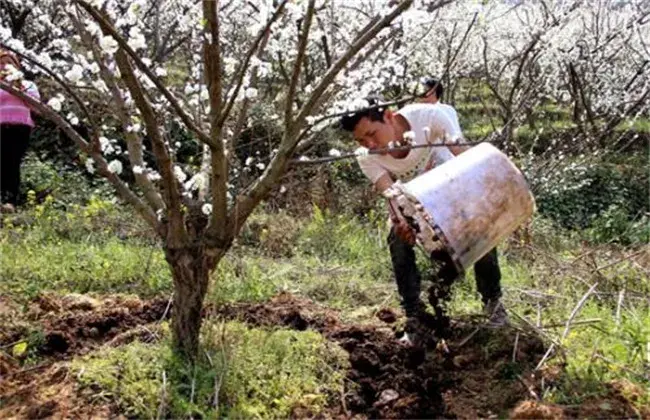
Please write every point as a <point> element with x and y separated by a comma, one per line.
<point>374,112</point>
<point>436,84</point>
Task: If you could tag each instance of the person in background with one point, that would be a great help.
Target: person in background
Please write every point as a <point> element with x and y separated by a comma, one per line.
<point>15,129</point>
<point>433,95</point>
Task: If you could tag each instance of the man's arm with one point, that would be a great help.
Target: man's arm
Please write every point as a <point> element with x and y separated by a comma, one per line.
<point>457,150</point>
<point>402,229</point>
<point>383,183</point>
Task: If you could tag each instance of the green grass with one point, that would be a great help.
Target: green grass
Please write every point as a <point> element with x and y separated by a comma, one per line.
<point>30,266</point>
<point>598,353</point>
<point>351,273</point>
<point>256,374</point>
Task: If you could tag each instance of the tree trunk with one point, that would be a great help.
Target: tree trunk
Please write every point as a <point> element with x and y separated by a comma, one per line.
<point>191,269</point>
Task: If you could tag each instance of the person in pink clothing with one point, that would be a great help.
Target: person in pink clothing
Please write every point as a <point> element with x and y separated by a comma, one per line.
<point>15,129</point>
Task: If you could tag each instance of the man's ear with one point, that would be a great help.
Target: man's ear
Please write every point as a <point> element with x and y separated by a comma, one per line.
<point>388,116</point>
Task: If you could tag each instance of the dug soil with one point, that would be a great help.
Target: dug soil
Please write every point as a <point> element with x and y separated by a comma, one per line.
<point>475,372</point>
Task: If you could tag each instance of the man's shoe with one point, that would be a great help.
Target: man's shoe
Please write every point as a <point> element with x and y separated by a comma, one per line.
<point>496,313</point>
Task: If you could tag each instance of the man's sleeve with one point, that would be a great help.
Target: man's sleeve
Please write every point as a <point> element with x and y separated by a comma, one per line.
<point>370,168</point>
<point>441,120</point>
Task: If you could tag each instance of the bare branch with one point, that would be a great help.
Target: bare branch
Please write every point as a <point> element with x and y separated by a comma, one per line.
<point>297,64</point>
<point>177,234</point>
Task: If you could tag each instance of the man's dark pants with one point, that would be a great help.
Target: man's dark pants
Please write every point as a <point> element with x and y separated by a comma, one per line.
<point>486,270</point>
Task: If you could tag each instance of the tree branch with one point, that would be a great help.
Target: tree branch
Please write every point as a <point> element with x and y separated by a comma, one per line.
<point>247,201</point>
<point>133,141</point>
<point>219,165</point>
<point>243,67</point>
<point>177,234</point>
<point>102,167</point>
<point>64,85</point>
<point>108,28</point>
<point>297,64</point>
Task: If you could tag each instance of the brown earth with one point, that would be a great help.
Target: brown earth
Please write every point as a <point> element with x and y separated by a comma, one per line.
<point>476,372</point>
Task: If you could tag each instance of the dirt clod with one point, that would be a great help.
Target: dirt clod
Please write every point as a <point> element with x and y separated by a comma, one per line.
<point>536,410</point>
<point>42,410</point>
<point>77,302</point>
<point>387,315</point>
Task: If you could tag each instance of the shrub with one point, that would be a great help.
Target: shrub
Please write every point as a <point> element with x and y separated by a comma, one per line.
<point>577,194</point>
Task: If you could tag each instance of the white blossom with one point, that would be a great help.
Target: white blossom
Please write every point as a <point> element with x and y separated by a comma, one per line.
<point>13,73</point>
<point>207,209</point>
<point>115,166</point>
<point>251,93</point>
<point>45,60</point>
<point>93,68</point>
<point>179,174</point>
<point>90,165</point>
<point>108,44</point>
<point>260,166</point>
<point>137,169</point>
<point>135,128</point>
<point>335,152</point>
<point>75,73</point>
<point>361,151</point>
<point>55,104</point>
<point>72,118</point>
<point>198,181</point>
<point>409,136</point>
<point>136,39</point>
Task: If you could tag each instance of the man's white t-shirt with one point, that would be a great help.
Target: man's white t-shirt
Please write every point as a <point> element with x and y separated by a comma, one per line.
<point>438,118</point>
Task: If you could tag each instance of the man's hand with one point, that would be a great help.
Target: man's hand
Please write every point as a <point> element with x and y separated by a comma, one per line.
<point>404,231</point>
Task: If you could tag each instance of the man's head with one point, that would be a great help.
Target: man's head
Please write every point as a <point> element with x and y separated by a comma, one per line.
<point>434,91</point>
<point>373,127</point>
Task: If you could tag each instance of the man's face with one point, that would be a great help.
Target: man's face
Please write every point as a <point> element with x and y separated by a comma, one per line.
<point>375,134</point>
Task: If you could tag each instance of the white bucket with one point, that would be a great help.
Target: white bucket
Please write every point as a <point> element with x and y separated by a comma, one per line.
<point>473,201</point>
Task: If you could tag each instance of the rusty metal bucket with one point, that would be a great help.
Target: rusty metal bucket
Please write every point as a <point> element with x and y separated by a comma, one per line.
<point>467,205</point>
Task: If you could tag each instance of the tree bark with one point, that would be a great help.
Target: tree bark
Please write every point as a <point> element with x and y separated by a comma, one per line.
<point>191,269</point>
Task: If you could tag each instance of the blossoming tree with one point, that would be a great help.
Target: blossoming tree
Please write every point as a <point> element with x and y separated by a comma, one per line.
<point>129,70</point>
